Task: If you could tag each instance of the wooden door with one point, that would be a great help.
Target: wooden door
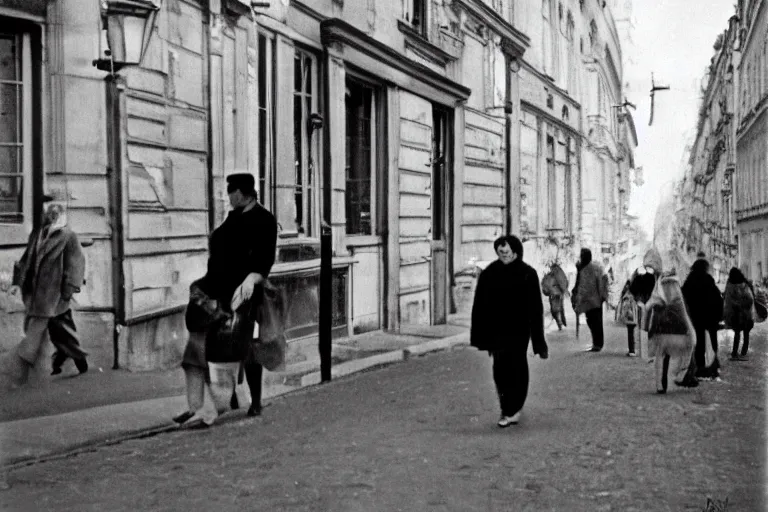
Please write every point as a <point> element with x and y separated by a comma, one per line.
<point>439,200</point>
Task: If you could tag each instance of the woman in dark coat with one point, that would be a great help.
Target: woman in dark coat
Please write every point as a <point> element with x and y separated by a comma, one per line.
<point>705,307</point>
<point>506,314</point>
<point>737,311</point>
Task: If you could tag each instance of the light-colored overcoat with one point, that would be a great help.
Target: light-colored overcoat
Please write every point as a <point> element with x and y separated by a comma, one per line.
<point>50,271</point>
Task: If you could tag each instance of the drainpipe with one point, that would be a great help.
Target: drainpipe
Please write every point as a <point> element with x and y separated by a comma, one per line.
<point>115,89</point>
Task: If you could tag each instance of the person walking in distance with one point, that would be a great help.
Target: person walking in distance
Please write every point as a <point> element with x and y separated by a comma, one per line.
<point>737,311</point>
<point>507,313</point>
<point>555,285</point>
<point>50,272</point>
<point>591,292</point>
<point>705,306</point>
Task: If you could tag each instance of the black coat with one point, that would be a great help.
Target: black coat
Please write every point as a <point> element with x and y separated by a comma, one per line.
<point>507,310</point>
<point>244,243</point>
<point>703,298</point>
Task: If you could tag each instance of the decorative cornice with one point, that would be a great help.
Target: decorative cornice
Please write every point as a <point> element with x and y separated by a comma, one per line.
<point>305,9</point>
<point>335,30</point>
<point>516,41</point>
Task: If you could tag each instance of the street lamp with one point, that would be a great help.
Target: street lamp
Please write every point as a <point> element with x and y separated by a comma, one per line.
<point>129,25</point>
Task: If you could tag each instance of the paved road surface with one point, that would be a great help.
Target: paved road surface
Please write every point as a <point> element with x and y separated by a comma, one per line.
<point>421,435</point>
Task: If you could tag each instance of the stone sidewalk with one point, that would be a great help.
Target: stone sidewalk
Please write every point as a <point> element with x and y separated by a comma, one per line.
<point>71,414</point>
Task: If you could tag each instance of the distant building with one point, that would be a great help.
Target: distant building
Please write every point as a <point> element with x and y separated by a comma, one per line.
<point>751,178</point>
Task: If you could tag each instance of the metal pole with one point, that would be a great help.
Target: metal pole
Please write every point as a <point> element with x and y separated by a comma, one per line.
<point>326,243</point>
<point>114,172</point>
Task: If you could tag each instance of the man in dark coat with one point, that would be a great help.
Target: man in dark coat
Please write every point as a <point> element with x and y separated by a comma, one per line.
<point>591,292</point>
<point>705,307</point>
<point>50,272</point>
<point>241,257</point>
<point>506,314</point>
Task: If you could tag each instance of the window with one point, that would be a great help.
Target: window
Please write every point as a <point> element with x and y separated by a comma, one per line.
<point>551,180</point>
<point>360,158</point>
<point>266,117</point>
<point>548,35</point>
<point>305,150</point>
<point>15,127</point>
<point>415,13</point>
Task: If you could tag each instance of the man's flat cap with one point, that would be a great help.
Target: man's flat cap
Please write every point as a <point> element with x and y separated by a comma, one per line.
<point>242,181</point>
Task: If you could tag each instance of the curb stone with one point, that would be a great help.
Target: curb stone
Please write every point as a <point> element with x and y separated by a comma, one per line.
<point>308,380</point>
<point>436,345</point>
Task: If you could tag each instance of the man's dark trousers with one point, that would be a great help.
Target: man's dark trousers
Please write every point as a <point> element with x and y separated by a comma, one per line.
<point>510,373</point>
<point>595,324</point>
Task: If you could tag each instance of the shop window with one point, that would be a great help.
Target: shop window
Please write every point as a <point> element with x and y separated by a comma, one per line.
<point>305,143</point>
<point>266,118</point>
<point>360,203</point>
<point>16,112</point>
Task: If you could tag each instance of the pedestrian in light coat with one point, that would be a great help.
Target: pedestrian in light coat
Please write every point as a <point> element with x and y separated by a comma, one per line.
<point>737,311</point>
<point>591,292</point>
<point>508,313</point>
<point>50,272</point>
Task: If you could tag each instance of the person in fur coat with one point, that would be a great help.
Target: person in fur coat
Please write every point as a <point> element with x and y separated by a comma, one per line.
<point>737,311</point>
<point>670,333</point>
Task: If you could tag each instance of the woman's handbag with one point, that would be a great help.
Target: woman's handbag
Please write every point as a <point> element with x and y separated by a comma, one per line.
<point>268,344</point>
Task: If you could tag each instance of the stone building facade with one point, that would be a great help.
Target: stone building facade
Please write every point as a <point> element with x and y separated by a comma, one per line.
<point>751,188</point>
<point>437,125</point>
<point>723,195</point>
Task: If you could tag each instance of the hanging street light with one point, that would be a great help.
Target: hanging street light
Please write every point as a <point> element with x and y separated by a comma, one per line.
<point>129,25</point>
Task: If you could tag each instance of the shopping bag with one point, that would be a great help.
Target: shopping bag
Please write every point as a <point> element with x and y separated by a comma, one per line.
<point>268,344</point>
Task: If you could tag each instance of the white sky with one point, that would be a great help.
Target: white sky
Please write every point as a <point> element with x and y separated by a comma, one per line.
<point>673,39</point>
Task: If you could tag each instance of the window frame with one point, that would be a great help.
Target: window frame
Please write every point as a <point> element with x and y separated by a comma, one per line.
<point>310,150</point>
<point>266,166</point>
<point>377,119</point>
<point>409,8</point>
<point>31,66</point>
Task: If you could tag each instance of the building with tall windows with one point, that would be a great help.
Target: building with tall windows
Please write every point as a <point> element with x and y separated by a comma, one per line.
<point>435,126</point>
<point>751,177</point>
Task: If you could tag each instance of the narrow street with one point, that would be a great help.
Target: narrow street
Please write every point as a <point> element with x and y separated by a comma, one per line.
<point>421,435</point>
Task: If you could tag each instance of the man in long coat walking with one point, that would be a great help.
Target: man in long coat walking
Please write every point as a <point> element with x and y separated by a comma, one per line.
<point>50,272</point>
<point>506,314</point>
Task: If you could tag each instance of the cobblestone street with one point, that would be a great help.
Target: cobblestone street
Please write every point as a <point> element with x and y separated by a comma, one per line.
<point>421,435</point>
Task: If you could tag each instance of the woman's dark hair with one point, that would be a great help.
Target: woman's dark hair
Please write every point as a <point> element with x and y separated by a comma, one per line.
<point>585,257</point>
<point>736,276</point>
<point>512,241</point>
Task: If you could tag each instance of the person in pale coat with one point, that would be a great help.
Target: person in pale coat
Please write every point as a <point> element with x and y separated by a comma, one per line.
<point>50,272</point>
<point>670,333</point>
